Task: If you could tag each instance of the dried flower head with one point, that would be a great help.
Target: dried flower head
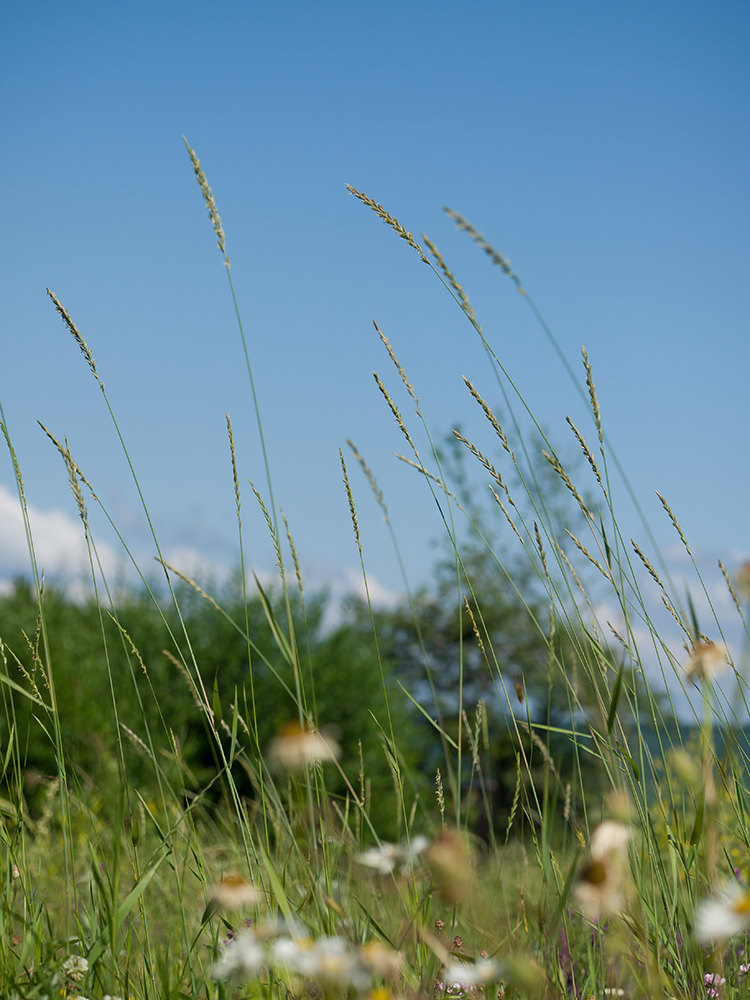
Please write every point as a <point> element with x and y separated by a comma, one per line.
<point>234,892</point>
<point>450,859</point>
<point>75,968</point>
<point>706,660</point>
<point>382,961</point>
<point>295,746</point>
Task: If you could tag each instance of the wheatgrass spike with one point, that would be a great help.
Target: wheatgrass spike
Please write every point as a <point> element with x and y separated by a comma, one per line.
<point>495,256</point>
<point>73,329</point>
<point>587,452</point>
<point>451,279</point>
<point>731,588</point>
<point>397,363</point>
<point>377,492</point>
<point>489,414</point>
<point>209,199</point>
<point>389,220</point>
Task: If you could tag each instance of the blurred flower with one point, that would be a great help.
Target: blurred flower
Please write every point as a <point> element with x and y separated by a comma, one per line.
<point>75,967</point>
<point>601,885</point>
<point>470,974</point>
<point>451,863</point>
<point>295,746</point>
<point>713,982</point>
<point>330,959</point>
<point>234,892</point>
<point>723,917</point>
<point>382,962</point>
<point>706,660</point>
<point>243,958</point>
<point>386,857</point>
<point>742,581</point>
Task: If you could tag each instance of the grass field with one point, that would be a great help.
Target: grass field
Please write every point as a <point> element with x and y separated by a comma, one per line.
<point>483,792</point>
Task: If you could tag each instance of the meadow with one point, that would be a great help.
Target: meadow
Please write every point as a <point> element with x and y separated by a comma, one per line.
<point>484,791</point>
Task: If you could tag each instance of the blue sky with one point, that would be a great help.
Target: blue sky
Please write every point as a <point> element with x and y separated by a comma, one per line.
<point>603,148</point>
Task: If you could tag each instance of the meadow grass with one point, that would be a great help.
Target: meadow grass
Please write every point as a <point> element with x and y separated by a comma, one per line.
<point>296,859</point>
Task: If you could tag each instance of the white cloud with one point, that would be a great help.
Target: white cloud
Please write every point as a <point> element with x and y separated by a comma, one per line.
<point>59,542</point>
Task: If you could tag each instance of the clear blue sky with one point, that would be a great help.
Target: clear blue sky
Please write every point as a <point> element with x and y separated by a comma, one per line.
<point>602,147</point>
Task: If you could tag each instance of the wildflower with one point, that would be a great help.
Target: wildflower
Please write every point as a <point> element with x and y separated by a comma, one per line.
<point>706,660</point>
<point>328,958</point>
<point>295,746</point>
<point>383,962</point>
<point>387,857</point>
<point>242,958</point>
<point>713,982</point>
<point>470,974</point>
<point>744,969</point>
<point>234,892</point>
<point>602,882</point>
<point>75,967</point>
<point>724,916</point>
<point>450,861</point>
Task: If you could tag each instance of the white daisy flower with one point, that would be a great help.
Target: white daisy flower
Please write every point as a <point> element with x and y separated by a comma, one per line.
<point>243,958</point>
<point>723,917</point>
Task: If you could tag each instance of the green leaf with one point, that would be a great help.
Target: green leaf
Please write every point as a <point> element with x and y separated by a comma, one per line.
<point>216,702</point>
<point>615,698</point>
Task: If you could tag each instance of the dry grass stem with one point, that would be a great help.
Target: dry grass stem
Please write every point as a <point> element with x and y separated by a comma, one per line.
<point>495,256</point>
<point>674,521</point>
<point>483,460</point>
<point>395,411</point>
<point>508,518</point>
<point>377,492</point>
<point>136,740</point>
<point>474,626</point>
<point>397,363</point>
<point>588,555</point>
<point>293,550</point>
<point>539,545</point>
<point>587,452</point>
<point>389,220</point>
<point>209,199</point>
<point>429,475</point>
<point>450,278</point>
<point>731,588</point>
<point>489,414</point>
<point>641,555</point>
<point>189,581</point>
<point>592,395</point>
<point>555,463</point>
<point>670,608</point>
<point>234,470</point>
<point>271,528</point>
<point>73,329</point>
<point>350,498</point>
